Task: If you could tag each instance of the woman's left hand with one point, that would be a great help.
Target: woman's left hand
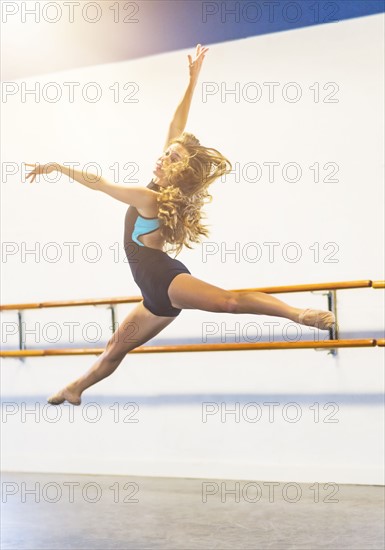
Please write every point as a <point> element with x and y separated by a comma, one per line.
<point>196,64</point>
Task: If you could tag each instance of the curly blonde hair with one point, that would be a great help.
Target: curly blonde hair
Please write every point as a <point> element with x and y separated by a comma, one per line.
<point>180,202</point>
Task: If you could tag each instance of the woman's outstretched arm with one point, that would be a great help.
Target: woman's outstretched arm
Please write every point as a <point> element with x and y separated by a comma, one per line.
<point>179,120</point>
<point>135,196</point>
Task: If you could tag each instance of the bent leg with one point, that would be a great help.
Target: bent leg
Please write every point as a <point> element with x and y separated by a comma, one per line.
<point>138,327</point>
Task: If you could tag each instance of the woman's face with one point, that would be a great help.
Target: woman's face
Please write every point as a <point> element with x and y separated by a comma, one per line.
<point>173,153</point>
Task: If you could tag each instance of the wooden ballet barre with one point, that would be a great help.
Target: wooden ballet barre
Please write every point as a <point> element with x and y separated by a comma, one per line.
<point>74,303</point>
<point>359,343</point>
<point>309,287</point>
<point>131,299</point>
<point>378,284</point>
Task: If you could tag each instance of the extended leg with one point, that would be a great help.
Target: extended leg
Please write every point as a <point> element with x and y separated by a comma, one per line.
<point>138,327</point>
<point>188,292</point>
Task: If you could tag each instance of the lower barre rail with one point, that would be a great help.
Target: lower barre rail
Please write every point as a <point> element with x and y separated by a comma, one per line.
<point>358,343</point>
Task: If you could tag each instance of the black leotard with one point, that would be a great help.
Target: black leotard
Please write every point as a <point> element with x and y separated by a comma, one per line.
<point>152,269</point>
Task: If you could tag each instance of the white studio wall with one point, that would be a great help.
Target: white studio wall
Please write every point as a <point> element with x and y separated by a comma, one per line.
<point>327,419</point>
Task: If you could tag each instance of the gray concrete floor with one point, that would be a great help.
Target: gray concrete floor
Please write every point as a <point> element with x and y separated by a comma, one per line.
<point>52,511</point>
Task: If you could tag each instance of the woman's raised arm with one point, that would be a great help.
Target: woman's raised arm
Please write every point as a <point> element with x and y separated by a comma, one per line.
<point>179,120</point>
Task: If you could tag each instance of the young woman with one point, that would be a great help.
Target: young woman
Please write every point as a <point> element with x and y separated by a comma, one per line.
<point>168,212</point>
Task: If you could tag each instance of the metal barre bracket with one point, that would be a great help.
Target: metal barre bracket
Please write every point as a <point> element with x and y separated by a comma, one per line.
<point>332,306</point>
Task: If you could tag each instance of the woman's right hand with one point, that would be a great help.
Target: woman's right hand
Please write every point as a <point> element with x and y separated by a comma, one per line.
<point>41,169</point>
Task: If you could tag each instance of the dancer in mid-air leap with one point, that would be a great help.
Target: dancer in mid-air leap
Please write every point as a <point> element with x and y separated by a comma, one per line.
<point>168,212</point>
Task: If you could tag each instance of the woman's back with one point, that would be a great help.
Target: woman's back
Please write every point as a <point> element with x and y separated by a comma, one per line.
<point>146,230</point>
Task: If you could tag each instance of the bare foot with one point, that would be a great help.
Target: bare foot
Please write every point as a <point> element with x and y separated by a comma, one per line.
<point>66,394</point>
<point>323,320</point>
